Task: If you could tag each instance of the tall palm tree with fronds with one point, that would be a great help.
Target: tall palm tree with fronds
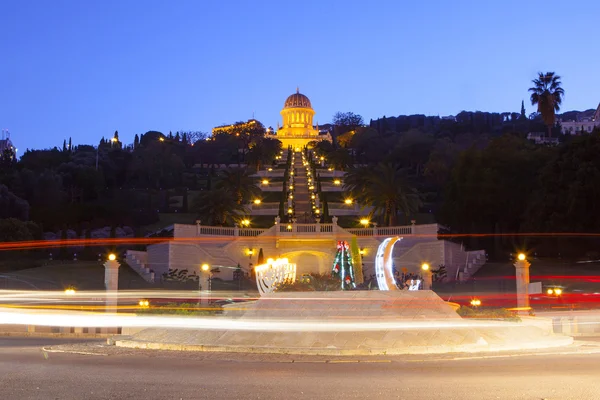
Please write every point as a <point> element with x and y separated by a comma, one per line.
<point>239,183</point>
<point>384,187</point>
<point>217,208</point>
<point>547,93</point>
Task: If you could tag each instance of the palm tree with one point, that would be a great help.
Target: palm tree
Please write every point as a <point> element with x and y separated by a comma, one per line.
<point>547,94</point>
<point>384,187</point>
<point>239,183</point>
<point>218,208</point>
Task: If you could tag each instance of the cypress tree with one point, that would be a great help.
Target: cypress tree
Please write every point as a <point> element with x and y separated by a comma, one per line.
<point>325,209</point>
<point>184,205</point>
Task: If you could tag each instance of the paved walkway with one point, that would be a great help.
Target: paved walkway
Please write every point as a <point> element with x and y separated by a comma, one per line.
<point>301,193</point>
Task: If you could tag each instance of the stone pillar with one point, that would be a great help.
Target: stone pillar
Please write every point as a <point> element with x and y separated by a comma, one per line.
<point>427,279</point>
<point>236,230</point>
<point>205,287</point>
<point>198,227</point>
<point>522,279</point>
<point>111,283</point>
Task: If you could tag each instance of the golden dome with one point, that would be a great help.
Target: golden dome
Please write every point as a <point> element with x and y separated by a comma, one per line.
<point>297,100</point>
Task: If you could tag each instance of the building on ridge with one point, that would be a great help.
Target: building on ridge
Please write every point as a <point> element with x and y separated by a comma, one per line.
<point>247,127</point>
<point>5,142</point>
<point>584,125</point>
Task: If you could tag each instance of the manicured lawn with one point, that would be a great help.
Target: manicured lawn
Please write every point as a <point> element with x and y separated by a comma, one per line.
<point>166,219</point>
<point>82,275</point>
<point>262,221</point>
<point>335,197</point>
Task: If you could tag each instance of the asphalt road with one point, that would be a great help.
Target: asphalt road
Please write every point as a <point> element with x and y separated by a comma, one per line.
<point>28,372</point>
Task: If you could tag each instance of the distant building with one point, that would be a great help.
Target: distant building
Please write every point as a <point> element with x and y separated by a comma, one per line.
<point>235,129</point>
<point>541,138</point>
<point>5,143</point>
<point>582,125</point>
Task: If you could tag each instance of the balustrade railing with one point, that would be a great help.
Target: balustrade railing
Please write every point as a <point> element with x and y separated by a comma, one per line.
<point>303,229</point>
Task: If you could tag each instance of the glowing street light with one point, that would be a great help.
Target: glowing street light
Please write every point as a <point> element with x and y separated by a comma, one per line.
<point>265,182</point>
<point>337,182</point>
<point>205,267</point>
<point>521,257</point>
<point>362,252</point>
<point>246,222</point>
<point>112,257</point>
<point>425,267</point>
<point>257,201</point>
<point>144,303</point>
<point>475,302</point>
<point>70,291</point>
<point>365,222</point>
<point>348,201</point>
<point>290,211</point>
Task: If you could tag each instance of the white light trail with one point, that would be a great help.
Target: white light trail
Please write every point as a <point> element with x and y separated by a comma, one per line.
<point>102,320</point>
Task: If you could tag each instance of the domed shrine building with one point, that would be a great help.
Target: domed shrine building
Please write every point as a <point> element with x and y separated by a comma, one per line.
<point>297,129</point>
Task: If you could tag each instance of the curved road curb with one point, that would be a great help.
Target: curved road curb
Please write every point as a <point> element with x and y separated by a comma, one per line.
<point>555,341</point>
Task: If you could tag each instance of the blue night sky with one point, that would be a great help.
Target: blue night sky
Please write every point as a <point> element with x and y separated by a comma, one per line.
<point>87,68</point>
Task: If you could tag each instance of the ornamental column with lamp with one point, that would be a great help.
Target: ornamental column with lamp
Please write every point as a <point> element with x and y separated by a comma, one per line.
<point>111,282</point>
<point>205,284</point>
<point>522,280</point>
<point>427,276</point>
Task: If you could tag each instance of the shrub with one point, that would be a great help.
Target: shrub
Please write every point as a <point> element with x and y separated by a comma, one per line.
<point>186,309</point>
<point>488,313</point>
<point>312,283</point>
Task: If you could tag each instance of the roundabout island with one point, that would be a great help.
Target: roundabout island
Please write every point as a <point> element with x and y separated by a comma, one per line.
<point>346,321</point>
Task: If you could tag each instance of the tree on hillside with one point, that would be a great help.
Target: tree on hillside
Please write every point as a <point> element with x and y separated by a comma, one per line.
<point>239,183</point>
<point>547,94</point>
<point>262,152</point>
<point>347,121</point>
<point>385,187</point>
<point>344,123</point>
<point>567,200</point>
<point>489,189</point>
<point>523,116</point>
<point>217,207</point>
